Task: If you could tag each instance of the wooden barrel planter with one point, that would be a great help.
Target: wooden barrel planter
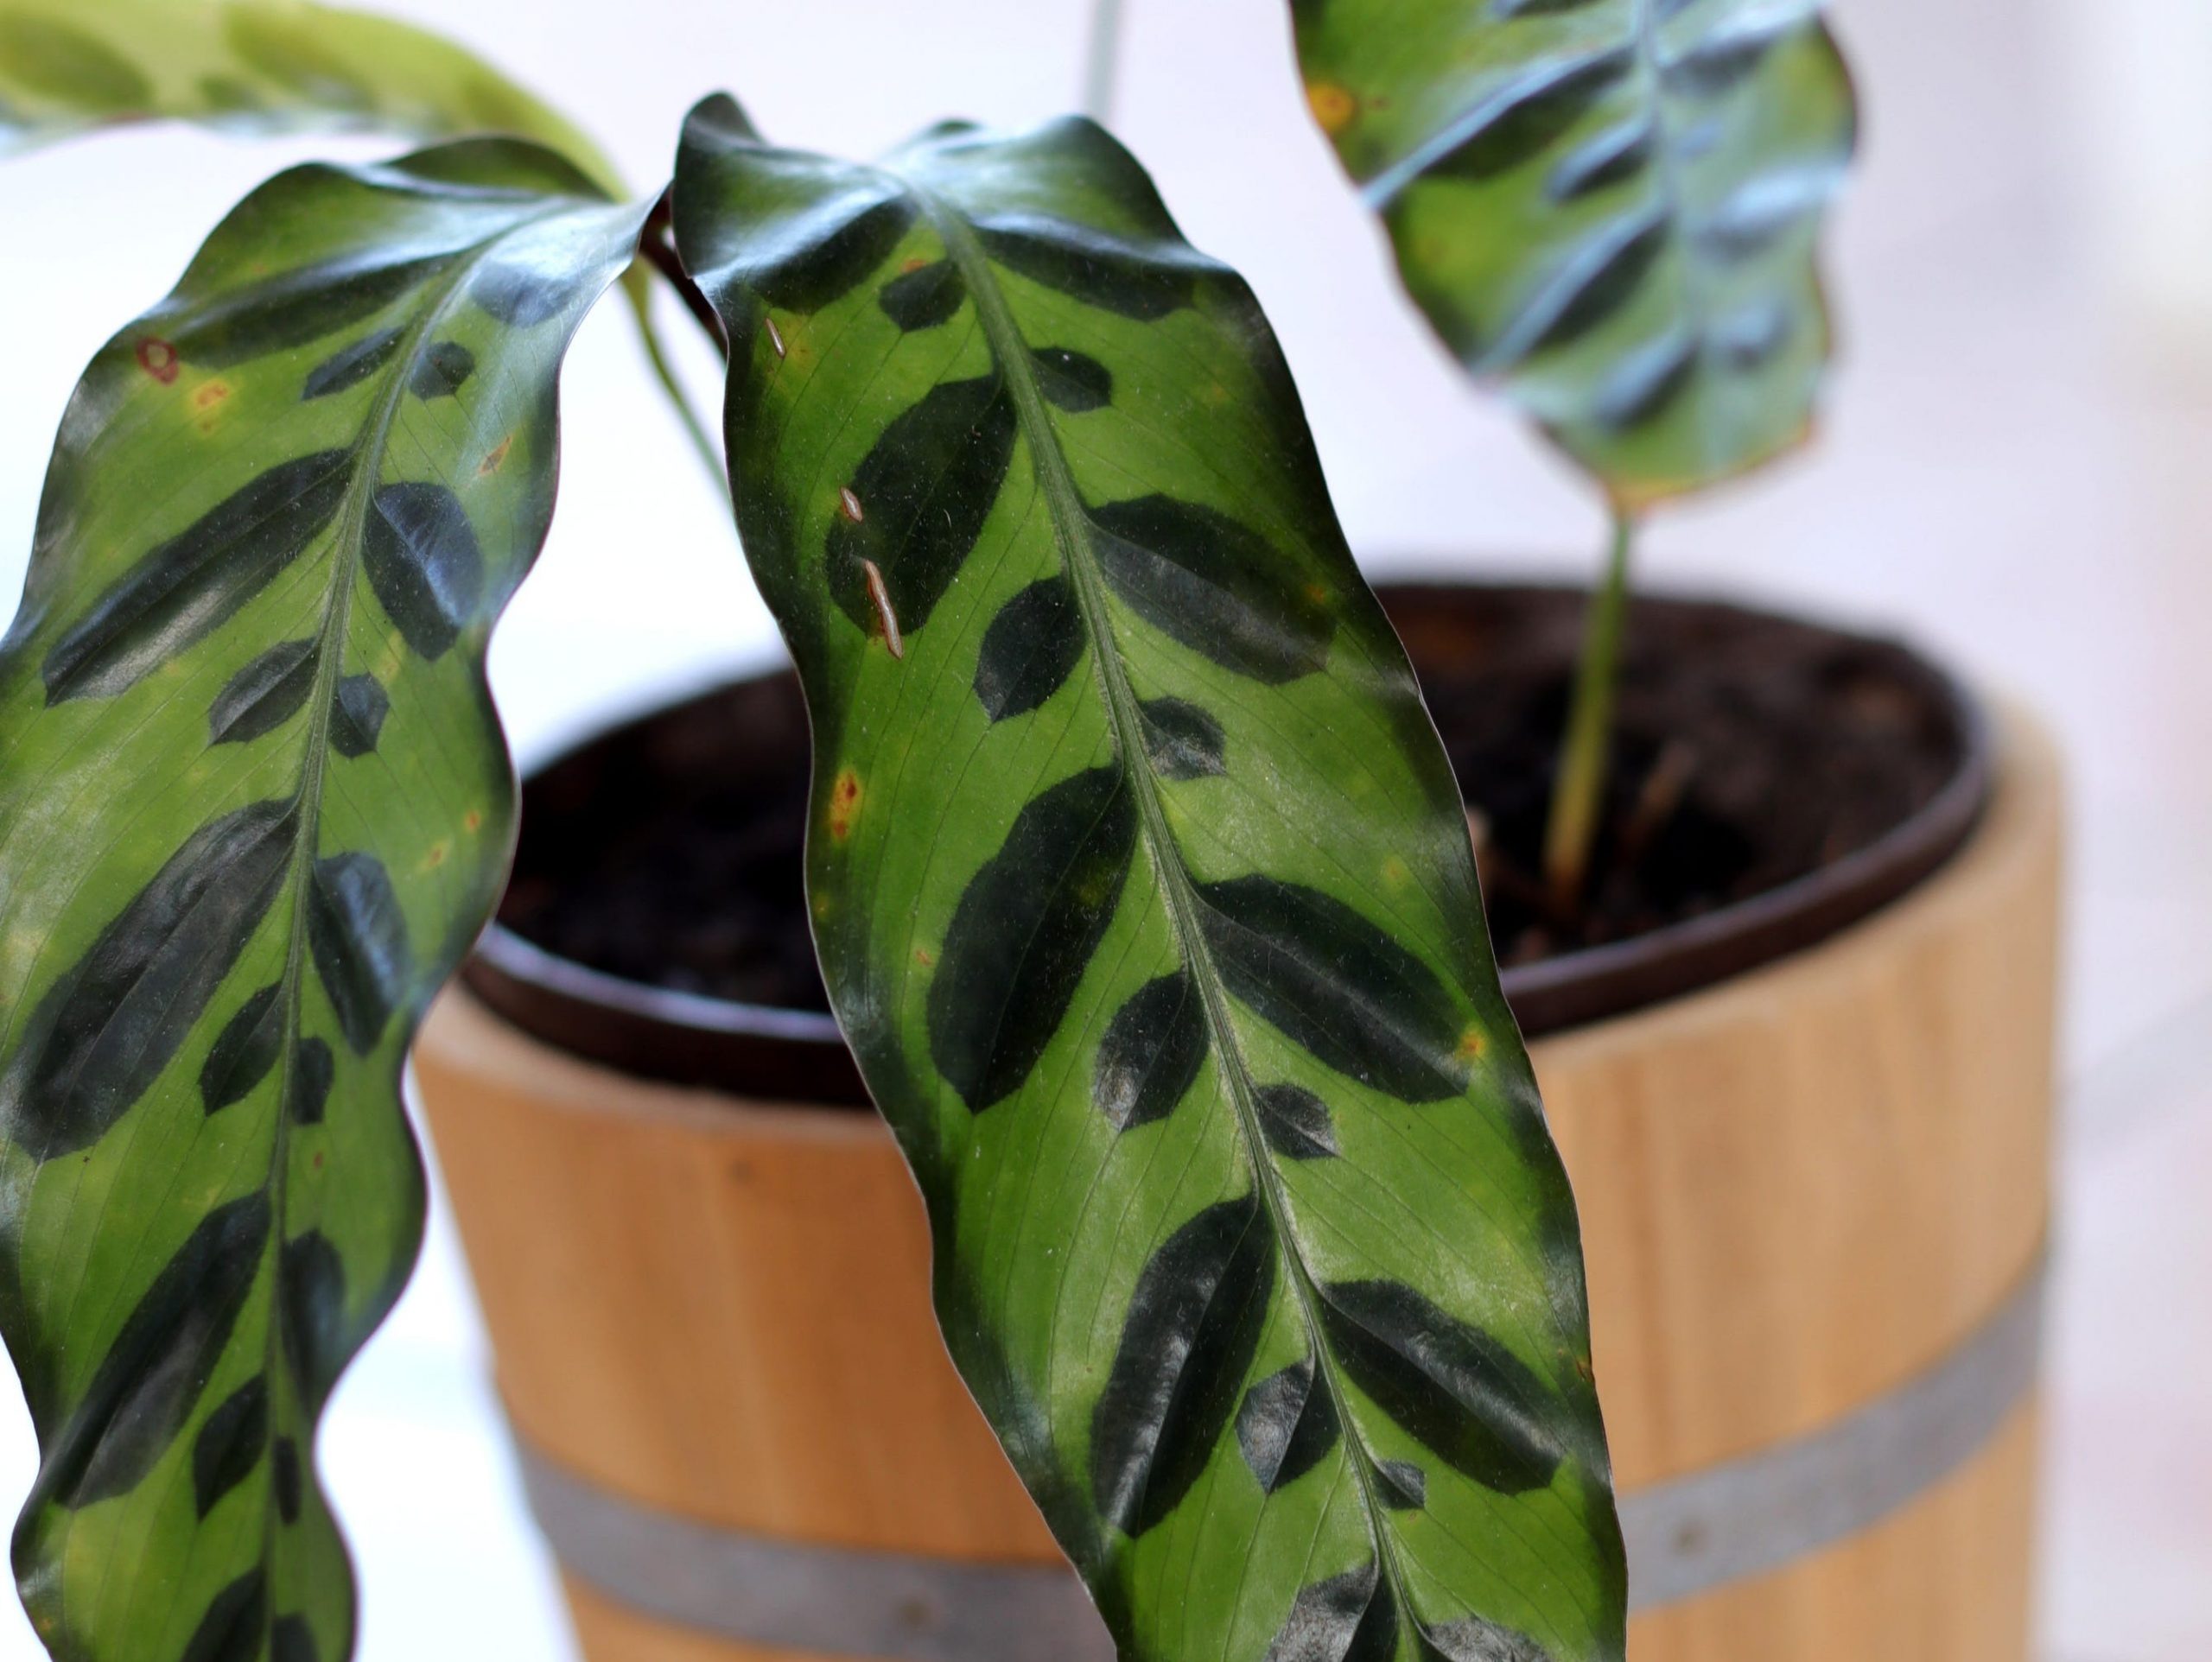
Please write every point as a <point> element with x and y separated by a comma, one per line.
<point>1808,1136</point>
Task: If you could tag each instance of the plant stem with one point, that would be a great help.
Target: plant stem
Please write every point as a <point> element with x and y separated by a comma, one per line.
<point>660,253</point>
<point>1102,62</point>
<point>657,255</point>
<point>1585,751</point>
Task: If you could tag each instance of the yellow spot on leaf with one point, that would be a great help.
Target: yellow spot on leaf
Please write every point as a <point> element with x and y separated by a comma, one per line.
<point>844,802</point>
<point>437,857</point>
<point>1395,872</point>
<point>1473,1044</point>
<point>924,956</point>
<point>473,820</point>
<point>208,400</point>
<point>1332,106</point>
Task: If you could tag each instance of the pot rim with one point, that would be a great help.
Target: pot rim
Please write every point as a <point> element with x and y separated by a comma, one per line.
<point>800,1056</point>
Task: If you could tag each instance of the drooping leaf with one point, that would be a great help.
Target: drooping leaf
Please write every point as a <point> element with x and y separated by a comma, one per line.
<point>258,66</point>
<point>253,807</point>
<point>1143,890</point>
<point>1611,206</point>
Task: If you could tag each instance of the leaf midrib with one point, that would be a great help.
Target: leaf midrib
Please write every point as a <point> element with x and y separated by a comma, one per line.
<point>1071,522</point>
<point>371,446</point>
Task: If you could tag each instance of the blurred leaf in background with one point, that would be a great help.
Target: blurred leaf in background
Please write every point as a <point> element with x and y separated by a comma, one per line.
<point>1610,206</point>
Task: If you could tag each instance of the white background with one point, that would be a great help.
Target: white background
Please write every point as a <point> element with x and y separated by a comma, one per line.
<point>2017,471</point>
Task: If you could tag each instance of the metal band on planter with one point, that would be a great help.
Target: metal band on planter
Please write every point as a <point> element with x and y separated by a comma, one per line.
<point>1686,1536</point>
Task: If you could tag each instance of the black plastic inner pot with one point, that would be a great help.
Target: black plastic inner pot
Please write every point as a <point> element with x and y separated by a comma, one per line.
<point>1850,756</point>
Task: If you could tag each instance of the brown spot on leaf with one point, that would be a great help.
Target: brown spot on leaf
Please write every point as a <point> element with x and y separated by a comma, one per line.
<point>775,336</point>
<point>848,504</point>
<point>472,821</point>
<point>844,802</point>
<point>887,621</point>
<point>158,359</point>
<point>495,458</point>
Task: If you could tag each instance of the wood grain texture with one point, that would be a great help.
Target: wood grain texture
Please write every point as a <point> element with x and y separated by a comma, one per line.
<point>1798,1189</point>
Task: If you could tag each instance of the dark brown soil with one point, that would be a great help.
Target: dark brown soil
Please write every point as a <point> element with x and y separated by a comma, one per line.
<point>1750,751</point>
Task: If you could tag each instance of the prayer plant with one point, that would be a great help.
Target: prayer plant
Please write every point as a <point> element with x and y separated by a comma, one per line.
<point>1140,884</point>
<point>1610,208</point>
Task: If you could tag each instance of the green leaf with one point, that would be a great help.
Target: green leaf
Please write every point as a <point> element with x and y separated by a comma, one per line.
<point>1143,892</point>
<point>253,807</point>
<point>255,66</point>
<point>1611,206</point>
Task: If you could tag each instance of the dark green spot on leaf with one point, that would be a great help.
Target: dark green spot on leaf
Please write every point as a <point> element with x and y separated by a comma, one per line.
<point>296,308</point>
<point>1137,280</point>
<point>442,370</point>
<point>1286,1426</point>
<point>244,1051</point>
<point>1193,1327</point>
<point>358,940</point>
<point>1453,1386</point>
<point>422,560</point>
<point>145,1388</point>
<point>924,490</point>
<point>110,1024</point>
<point>314,1071</point>
<point>1024,932</point>
<point>292,1640</point>
<point>1152,1053</point>
<point>1538,116</point>
<point>1402,1485</point>
<point>311,1304</point>
<point>360,705</point>
<point>1183,740</point>
<point>350,365</point>
<point>1214,585</point>
<point>1337,984</point>
<point>1031,648</point>
<point>285,1475</point>
<point>230,1443</point>
<point>1296,1123</point>
<point>193,582</point>
<point>231,1630</point>
<point>265,694</point>
<point>1348,1617</point>
<point>1076,383</point>
<point>925,297</point>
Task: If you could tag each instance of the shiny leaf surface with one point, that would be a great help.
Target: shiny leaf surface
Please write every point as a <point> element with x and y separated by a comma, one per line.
<point>254,66</point>
<point>253,806</point>
<point>1143,892</point>
<point>1610,205</point>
